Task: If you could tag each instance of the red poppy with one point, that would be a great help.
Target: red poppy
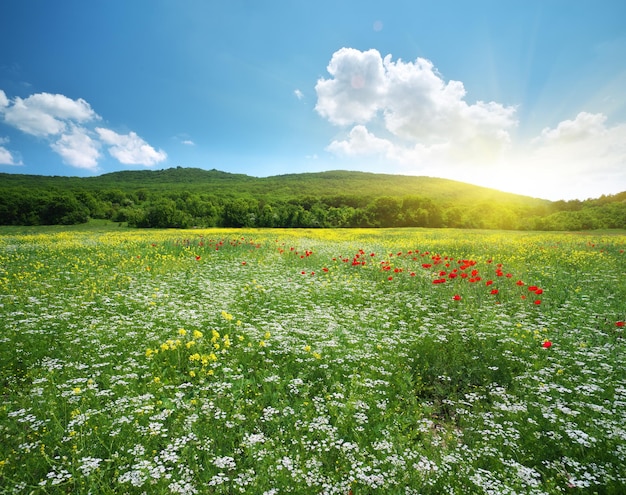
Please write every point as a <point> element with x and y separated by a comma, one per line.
<point>620,324</point>
<point>489,282</point>
<point>539,291</point>
<point>456,297</point>
<point>197,258</point>
<point>494,291</point>
<point>520,283</point>
<point>546,344</point>
<point>537,302</point>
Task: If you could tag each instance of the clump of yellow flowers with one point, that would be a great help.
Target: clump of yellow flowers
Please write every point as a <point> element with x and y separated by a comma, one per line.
<point>191,354</point>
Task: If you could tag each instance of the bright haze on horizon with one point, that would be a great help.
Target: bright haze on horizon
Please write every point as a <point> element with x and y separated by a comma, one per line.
<point>526,97</point>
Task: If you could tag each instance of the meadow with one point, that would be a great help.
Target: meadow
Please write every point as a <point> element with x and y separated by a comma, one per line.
<point>391,361</point>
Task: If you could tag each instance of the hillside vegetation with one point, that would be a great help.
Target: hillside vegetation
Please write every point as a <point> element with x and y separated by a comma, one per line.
<point>185,197</point>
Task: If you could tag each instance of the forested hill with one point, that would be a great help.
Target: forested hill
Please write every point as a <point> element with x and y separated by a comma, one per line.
<point>183,197</point>
<point>321,184</point>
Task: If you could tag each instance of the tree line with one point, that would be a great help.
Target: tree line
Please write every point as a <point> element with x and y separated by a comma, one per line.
<point>145,208</point>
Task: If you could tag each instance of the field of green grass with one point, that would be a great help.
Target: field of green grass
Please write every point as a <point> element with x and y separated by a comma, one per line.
<point>269,362</point>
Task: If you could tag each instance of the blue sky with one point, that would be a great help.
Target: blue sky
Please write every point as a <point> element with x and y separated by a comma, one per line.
<point>523,96</point>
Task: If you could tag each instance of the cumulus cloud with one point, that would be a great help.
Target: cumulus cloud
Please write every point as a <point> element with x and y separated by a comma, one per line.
<point>582,154</point>
<point>299,94</point>
<point>584,126</point>
<point>356,90</point>
<point>78,149</point>
<point>361,142</point>
<point>6,157</point>
<point>67,125</point>
<point>129,148</point>
<point>43,114</point>
<point>411,99</point>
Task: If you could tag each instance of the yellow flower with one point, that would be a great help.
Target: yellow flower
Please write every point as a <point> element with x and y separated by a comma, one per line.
<point>190,344</point>
<point>226,342</point>
<point>267,335</point>
<point>197,334</point>
<point>317,355</point>
<point>76,390</point>
<point>182,332</point>
<point>227,316</point>
<point>307,348</point>
<point>215,336</point>
<point>157,379</point>
<point>262,343</point>
<point>194,357</point>
<point>192,373</point>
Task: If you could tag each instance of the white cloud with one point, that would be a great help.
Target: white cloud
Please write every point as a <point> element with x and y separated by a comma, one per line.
<point>6,157</point>
<point>299,94</point>
<point>130,149</point>
<point>188,142</point>
<point>584,126</point>
<point>357,89</point>
<point>67,125</point>
<point>583,155</point>
<point>44,114</point>
<point>78,149</point>
<point>361,142</point>
<point>413,102</point>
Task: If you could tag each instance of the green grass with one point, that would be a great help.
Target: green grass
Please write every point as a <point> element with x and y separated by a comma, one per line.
<point>298,361</point>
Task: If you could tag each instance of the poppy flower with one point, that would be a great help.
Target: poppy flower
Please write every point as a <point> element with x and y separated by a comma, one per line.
<point>546,344</point>
<point>620,324</point>
<point>537,302</point>
<point>456,297</point>
<point>494,291</point>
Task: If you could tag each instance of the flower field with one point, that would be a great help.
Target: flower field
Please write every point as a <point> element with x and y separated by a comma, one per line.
<point>304,361</point>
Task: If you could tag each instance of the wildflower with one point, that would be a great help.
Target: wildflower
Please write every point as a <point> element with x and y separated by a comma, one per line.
<point>546,344</point>
<point>227,316</point>
<point>456,297</point>
<point>537,302</point>
<point>620,324</point>
<point>182,332</point>
<point>197,334</point>
<point>494,291</point>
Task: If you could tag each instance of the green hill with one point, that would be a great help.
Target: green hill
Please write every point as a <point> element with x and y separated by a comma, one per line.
<point>179,197</point>
<point>321,184</point>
